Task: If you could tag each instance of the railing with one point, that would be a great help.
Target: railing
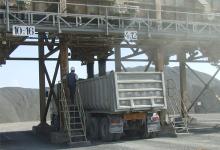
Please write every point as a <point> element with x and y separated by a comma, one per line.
<point>113,19</point>
<point>64,112</point>
<point>81,111</point>
<point>175,100</point>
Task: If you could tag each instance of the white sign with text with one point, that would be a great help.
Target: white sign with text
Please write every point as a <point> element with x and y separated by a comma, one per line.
<point>23,30</point>
<point>130,35</point>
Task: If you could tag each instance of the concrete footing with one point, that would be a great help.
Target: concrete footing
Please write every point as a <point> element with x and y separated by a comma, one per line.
<point>167,131</point>
<point>48,133</point>
<point>58,137</point>
<point>42,129</point>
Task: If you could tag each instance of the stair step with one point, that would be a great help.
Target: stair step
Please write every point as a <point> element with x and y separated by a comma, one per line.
<point>76,117</point>
<point>74,110</point>
<point>76,123</point>
<point>82,135</point>
<point>178,122</point>
<point>180,127</point>
<point>84,142</point>
<point>78,129</point>
<point>183,133</point>
<point>71,106</point>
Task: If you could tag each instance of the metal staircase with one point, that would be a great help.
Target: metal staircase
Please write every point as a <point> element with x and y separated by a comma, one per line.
<point>178,122</point>
<point>73,118</point>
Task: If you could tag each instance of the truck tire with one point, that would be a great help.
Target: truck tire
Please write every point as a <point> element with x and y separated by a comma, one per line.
<point>143,134</point>
<point>104,130</point>
<point>116,136</point>
<point>93,129</point>
<point>154,134</point>
<point>129,133</point>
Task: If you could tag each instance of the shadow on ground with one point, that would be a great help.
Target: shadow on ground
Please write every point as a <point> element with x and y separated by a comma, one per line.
<point>23,140</point>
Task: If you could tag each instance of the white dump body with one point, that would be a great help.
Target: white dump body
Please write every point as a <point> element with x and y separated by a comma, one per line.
<point>123,92</point>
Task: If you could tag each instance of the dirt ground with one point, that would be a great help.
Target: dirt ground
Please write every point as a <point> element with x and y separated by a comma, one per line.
<point>204,135</point>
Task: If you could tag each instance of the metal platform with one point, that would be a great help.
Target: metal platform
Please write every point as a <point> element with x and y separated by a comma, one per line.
<point>185,25</point>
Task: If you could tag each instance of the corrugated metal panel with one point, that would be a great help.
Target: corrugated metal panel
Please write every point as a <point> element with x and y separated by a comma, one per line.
<point>123,92</point>
<point>98,94</point>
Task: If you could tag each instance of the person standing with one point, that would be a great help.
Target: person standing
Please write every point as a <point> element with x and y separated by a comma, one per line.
<point>71,81</point>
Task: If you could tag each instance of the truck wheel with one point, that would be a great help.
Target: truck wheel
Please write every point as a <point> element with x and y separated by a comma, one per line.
<point>117,136</point>
<point>143,134</point>
<point>104,128</point>
<point>153,134</point>
<point>129,133</point>
<point>93,129</point>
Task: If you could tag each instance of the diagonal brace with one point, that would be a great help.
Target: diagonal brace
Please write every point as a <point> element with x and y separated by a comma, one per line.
<point>52,93</point>
<point>200,79</point>
<point>206,86</point>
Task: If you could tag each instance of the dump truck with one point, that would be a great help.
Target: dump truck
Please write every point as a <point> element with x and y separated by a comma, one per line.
<point>123,104</point>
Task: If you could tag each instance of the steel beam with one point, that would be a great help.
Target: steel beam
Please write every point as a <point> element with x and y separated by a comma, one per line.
<point>90,70</point>
<point>158,11</point>
<point>51,93</point>
<point>52,52</point>
<point>159,66</point>
<point>63,70</point>
<point>199,78</point>
<point>102,67</point>
<point>183,82</point>
<point>159,59</point>
<point>7,15</point>
<point>203,90</point>
<point>124,68</point>
<point>125,60</point>
<point>41,77</point>
<point>148,66</point>
<point>63,58</point>
<point>117,59</point>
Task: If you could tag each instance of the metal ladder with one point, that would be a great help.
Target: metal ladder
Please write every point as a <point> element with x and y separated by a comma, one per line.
<point>73,118</point>
<point>179,124</point>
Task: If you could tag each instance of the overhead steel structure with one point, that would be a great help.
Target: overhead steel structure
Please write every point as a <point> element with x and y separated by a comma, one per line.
<point>94,30</point>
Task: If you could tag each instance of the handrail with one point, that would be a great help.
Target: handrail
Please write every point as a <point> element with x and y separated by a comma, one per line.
<point>175,97</point>
<point>111,21</point>
<point>81,110</point>
<point>123,6</point>
<point>65,108</point>
<point>128,7</point>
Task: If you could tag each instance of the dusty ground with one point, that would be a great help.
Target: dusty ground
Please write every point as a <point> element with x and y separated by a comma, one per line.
<point>202,137</point>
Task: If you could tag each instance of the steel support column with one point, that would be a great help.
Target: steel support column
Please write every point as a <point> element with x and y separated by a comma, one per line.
<point>159,66</point>
<point>90,70</point>
<point>183,82</point>
<point>63,7</point>
<point>159,60</point>
<point>117,59</point>
<point>102,67</point>
<point>41,77</point>
<point>158,8</point>
<point>63,70</point>
<point>63,59</point>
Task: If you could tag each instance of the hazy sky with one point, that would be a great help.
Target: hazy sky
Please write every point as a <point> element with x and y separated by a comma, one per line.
<point>25,73</point>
